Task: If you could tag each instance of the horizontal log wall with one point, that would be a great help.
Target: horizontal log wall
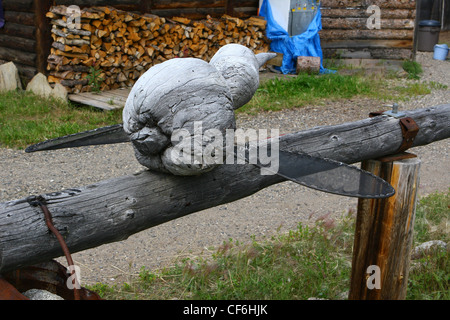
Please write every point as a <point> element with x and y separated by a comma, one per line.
<point>345,33</point>
<point>18,36</point>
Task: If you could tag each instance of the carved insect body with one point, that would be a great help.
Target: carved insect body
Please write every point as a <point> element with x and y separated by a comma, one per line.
<point>176,95</point>
<point>173,95</point>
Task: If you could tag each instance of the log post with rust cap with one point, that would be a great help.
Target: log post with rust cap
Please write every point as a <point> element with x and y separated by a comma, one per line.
<point>384,233</point>
<point>384,228</point>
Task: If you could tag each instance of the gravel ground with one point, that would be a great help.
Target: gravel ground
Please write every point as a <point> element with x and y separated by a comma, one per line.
<point>277,208</point>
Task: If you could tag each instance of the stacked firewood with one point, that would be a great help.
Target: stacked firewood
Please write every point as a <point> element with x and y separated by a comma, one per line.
<point>119,46</point>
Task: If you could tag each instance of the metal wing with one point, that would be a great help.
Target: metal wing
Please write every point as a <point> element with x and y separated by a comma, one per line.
<point>317,173</point>
<point>104,135</point>
<point>331,176</point>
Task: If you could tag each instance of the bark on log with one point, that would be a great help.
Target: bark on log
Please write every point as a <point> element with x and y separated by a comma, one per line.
<point>114,209</point>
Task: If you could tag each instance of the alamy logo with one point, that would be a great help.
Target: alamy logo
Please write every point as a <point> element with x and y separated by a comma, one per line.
<point>374,21</point>
<point>207,147</point>
<point>374,280</point>
<point>73,281</point>
<point>73,17</point>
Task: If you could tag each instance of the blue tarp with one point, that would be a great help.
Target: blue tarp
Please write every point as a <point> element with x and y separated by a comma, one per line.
<point>305,44</point>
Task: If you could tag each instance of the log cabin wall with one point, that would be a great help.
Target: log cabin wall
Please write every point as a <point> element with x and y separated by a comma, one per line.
<point>25,37</point>
<point>345,33</point>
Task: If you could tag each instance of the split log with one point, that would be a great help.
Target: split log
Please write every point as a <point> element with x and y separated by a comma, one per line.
<point>114,209</point>
<point>308,64</point>
<point>145,40</point>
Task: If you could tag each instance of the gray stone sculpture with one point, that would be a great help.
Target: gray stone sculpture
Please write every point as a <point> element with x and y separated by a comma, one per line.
<point>173,95</point>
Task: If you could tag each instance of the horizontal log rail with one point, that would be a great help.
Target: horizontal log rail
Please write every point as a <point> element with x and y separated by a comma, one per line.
<point>112,210</point>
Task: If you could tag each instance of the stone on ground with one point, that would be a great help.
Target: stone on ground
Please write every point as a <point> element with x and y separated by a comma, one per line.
<point>9,77</point>
<point>39,85</point>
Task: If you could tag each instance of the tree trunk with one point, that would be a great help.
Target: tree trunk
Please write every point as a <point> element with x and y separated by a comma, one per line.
<point>114,209</point>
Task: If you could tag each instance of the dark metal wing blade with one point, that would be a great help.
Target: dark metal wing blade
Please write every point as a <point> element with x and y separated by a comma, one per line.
<point>330,176</point>
<point>104,135</point>
<point>313,172</point>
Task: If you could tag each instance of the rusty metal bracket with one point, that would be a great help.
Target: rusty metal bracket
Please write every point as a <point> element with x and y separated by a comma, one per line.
<point>408,125</point>
<point>409,133</point>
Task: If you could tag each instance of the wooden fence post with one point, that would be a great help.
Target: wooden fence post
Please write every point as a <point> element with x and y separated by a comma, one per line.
<point>384,233</point>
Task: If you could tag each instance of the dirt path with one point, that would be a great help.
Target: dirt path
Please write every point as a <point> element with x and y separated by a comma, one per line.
<point>277,208</point>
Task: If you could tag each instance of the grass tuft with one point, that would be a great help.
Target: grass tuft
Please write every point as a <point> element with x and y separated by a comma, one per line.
<point>413,68</point>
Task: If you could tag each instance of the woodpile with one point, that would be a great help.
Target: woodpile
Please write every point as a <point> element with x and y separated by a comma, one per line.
<point>120,46</point>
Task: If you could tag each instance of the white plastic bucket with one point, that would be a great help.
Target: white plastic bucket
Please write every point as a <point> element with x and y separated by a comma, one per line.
<point>440,52</point>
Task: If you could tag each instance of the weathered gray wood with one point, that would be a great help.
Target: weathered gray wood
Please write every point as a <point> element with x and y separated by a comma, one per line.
<point>384,234</point>
<point>114,209</point>
<point>153,115</point>
<point>106,100</point>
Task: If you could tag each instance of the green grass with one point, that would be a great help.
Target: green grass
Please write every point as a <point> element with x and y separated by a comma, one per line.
<point>278,94</point>
<point>433,218</point>
<point>429,278</point>
<point>413,68</point>
<point>26,118</point>
<point>310,261</point>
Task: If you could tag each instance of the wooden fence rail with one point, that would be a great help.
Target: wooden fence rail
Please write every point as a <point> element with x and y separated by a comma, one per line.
<point>114,209</point>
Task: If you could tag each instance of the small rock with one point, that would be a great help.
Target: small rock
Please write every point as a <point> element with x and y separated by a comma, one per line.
<point>426,248</point>
<point>37,294</point>
<point>40,86</point>
<point>9,77</point>
<point>59,92</point>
